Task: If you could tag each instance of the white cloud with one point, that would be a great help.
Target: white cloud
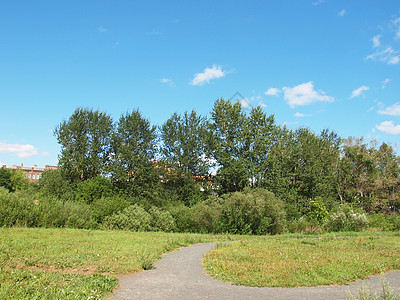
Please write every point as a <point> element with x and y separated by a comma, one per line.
<point>45,154</point>
<point>389,127</point>
<point>18,149</point>
<point>393,110</point>
<point>102,29</point>
<point>385,83</point>
<point>208,74</point>
<point>304,94</point>
<point>376,40</point>
<point>359,91</point>
<point>299,115</point>
<point>388,56</point>
<point>341,13</point>
<point>272,92</point>
<point>167,81</point>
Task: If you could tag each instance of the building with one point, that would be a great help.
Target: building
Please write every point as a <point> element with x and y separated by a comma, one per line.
<point>34,173</point>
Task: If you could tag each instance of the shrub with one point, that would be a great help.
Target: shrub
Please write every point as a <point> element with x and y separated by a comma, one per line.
<point>57,213</point>
<point>253,211</point>
<point>161,220</point>
<point>92,189</point>
<point>384,222</point>
<point>133,218</point>
<point>18,208</point>
<point>53,185</point>
<point>206,215</point>
<point>346,219</point>
<point>183,217</point>
<point>106,206</point>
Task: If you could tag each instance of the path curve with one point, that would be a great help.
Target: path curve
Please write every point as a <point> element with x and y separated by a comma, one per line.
<point>180,275</point>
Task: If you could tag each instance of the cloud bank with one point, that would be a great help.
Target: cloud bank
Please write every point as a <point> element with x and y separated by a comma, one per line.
<point>19,150</point>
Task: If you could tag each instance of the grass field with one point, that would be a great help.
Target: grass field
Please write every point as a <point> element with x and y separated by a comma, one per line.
<point>82,264</point>
<point>285,261</point>
<point>77,264</point>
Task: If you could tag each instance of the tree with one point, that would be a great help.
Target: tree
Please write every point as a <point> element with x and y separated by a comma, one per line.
<point>5,175</point>
<point>259,137</point>
<point>184,143</point>
<point>184,152</point>
<point>227,145</point>
<point>85,144</point>
<point>133,154</point>
<point>13,179</point>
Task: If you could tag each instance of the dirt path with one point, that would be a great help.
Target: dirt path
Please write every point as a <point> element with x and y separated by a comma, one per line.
<point>179,275</point>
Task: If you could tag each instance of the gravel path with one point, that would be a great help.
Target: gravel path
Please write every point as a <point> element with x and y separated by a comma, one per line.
<point>180,275</point>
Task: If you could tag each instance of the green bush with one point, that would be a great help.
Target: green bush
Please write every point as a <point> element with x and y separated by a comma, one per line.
<point>184,221</point>
<point>32,210</point>
<point>18,208</point>
<point>161,220</point>
<point>346,219</point>
<point>133,218</point>
<point>53,185</point>
<point>92,189</point>
<point>57,213</point>
<point>253,211</point>
<point>206,215</point>
<point>384,222</point>
<point>106,206</point>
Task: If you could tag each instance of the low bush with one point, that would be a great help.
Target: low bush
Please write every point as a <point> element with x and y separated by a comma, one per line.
<point>18,208</point>
<point>384,222</point>
<point>346,219</point>
<point>133,218</point>
<point>106,206</point>
<point>206,215</point>
<point>253,211</point>
<point>161,220</point>
<point>183,217</point>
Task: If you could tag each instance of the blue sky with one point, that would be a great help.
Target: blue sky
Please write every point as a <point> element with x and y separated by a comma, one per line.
<point>321,64</point>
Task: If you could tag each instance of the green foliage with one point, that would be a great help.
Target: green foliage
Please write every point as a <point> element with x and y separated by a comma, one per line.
<point>5,175</point>
<point>134,147</point>
<point>85,140</point>
<point>253,211</point>
<point>136,218</point>
<point>19,208</point>
<point>206,215</point>
<point>13,179</point>
<point>161,220</point>
<point>94,188</point>
<point>133,218</point>
<point>384,222</point>
<point>24,208</point>
<point>106,206</point>
<point>317,211</point>
<point>183,217</point>
<point>346,219</point>
<point>52,184</point>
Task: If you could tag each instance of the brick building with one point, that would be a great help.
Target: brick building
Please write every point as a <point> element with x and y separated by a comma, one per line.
<point>34,173</point>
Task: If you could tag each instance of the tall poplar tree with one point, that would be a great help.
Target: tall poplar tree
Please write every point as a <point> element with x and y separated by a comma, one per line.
<point>85,144</point>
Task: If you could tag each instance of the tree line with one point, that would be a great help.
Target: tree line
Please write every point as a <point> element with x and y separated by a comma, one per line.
<point>232,171</point>
<point>224,153</point>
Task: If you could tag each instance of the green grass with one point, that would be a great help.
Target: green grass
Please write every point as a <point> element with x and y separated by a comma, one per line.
<point>297,261</point>
<point>38,263</point>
